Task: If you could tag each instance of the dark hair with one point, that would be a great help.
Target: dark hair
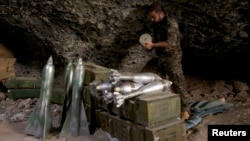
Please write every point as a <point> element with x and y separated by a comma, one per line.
<point>156,6</point>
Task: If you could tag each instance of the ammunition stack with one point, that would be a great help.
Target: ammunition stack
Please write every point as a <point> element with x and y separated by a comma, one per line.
<point>149,117</point>
<point>29,87</point>
<point>92,72</point>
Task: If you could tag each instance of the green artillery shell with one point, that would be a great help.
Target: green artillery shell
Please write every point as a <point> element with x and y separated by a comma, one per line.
<point>68,81</point>
<point>40,120</point>
<point>78,115</point>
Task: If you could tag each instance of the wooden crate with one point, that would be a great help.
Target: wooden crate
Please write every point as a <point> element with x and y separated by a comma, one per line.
<point>7,68</point>
<point>6,75</point>
<point>5,62</point>
<point>5,53</point>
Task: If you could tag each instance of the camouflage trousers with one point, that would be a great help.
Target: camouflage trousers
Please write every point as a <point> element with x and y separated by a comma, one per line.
<point>171,67</point>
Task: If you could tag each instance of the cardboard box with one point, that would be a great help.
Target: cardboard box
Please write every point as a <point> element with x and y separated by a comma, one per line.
<point>7,62</point>
<point>5,53</point>
<point>6,75</point>
<point>7,68</point>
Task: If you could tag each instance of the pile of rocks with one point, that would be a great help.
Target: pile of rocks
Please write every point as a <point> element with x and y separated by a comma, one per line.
<point>12,111</point>
<point>232,90</point>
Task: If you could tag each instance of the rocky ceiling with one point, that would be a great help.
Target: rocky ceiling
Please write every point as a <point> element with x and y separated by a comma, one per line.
<point>215,33</point>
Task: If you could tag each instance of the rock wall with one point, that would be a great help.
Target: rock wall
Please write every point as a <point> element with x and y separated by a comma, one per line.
<point>215,33</point>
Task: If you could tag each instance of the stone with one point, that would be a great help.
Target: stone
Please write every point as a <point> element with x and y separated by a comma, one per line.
<point>241,96</point>
<point>196,92</point>
<point>224,90</point>
<point>240,86</point>
<point>229,86</point>
<point>2,96</point>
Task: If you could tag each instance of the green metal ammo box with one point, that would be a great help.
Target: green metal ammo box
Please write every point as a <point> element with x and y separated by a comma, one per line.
<point>156,108</point>
<point>173,131</point>
<point>23,83</point>
<point>95,72</point>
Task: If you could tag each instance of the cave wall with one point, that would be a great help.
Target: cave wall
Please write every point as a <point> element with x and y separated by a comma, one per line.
<point>215,33</point>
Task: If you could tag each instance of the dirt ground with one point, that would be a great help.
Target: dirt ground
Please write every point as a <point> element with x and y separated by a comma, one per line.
<point>238,114</point>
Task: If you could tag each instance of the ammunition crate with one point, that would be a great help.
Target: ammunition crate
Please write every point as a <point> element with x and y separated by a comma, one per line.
<point>95,72</point>
<point>57,96</point>
<point>155,108</point>
<point>100,104</point>
<point>128,110</point>
<point>23,83</point>
<point>87,96</point>
<point>113,109</point>
<point>121,128</point>
<point>98,118</point>
<point>91,117</point>
<point>137,133</point>
<point>88,111</point>
<point>147,110</point>
<point>173,131</point>
<point>104,120</point>
<point>152,109</point>
<point>23,93</point>
<point>124,130</point>
<point>92,101</point>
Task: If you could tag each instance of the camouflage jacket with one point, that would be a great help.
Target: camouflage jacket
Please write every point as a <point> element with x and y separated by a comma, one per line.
<point>167,30</point>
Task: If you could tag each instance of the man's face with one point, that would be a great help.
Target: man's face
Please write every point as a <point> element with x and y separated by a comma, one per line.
<point>156,16</point>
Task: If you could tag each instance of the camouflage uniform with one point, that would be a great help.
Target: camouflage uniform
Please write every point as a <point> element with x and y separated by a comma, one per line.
<point>170,58</point>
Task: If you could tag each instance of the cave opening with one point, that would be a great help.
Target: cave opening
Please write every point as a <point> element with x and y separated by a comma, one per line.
<point>23,46</point>
<point>31,54</point>
<point>227,66</point>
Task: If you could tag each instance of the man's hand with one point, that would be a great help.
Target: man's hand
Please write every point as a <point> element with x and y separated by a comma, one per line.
<point>148,46</point>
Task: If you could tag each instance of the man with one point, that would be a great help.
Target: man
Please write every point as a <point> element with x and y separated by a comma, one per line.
<point>166,43</point>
